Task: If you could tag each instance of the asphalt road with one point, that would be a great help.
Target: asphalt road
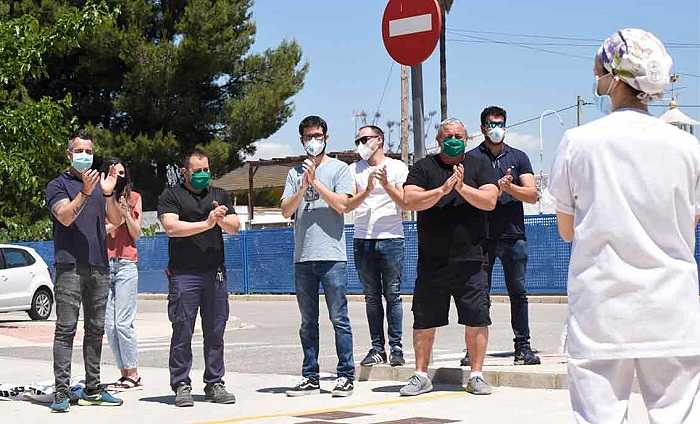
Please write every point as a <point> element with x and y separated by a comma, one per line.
<point>268,342</point>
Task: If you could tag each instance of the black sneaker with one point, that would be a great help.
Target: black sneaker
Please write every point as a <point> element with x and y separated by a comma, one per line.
<point>305,387</point>
<point>525,356</point>
<point>217,393</point>
<point>374,357</point>
<point>465,362</point>
<point>396,358</point>
<point>343,387</point>
<point>183,395</point>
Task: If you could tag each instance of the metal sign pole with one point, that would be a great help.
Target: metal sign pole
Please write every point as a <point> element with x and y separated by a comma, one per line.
<point>417,96</point>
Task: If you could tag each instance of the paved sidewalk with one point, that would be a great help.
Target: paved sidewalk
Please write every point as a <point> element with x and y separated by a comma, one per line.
<point>261,399</point>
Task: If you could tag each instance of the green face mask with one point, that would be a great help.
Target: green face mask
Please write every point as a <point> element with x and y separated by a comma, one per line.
<point>453,147</point>
<point>199,180</point>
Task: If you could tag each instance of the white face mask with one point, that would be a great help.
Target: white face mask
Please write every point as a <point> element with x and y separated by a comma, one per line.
<point>603,101</point>
<point>315,146</point>
<point>496,134</point>
<point>366,150</point>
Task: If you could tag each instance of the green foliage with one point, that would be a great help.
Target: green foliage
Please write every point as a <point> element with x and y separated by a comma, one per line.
<point>265,197</point>
<point>176,70</point>
<point>25,230</point>
<point>33,131</point>
<point>149,230</point>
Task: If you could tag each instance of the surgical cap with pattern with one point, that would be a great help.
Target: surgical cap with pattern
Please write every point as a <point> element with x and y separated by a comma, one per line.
<point>639,59</point>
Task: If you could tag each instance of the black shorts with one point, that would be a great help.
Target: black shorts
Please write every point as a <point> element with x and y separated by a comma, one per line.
<point>466,282</point>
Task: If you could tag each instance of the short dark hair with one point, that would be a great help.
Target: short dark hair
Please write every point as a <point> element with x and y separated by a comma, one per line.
<point>377,131</point>
<point>492,111</point>
<point>197,152</point>
<point>81,133</point>
<point>313,121</point>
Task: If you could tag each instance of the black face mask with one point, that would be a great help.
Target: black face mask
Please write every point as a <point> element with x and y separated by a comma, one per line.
<point>121,183</point>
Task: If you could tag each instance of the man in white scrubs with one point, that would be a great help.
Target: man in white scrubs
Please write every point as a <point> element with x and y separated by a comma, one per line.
<point>627,191</point>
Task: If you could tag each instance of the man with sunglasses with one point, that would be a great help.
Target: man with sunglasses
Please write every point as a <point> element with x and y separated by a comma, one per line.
<point>195,216</point>
<point>317,193</point>
<point>81,202</point>
<point>507,240</point>
<point>451,192</point>
<point>379,241</point>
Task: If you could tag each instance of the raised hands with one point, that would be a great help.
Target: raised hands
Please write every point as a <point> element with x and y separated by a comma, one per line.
<point>90,179</point>
<point>217,214</point>
<point>108,181</point>
<point>505,181</point>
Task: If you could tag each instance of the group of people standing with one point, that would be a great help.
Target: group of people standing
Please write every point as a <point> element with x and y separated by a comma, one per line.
<point>470,212</point>
<point>632,285</point>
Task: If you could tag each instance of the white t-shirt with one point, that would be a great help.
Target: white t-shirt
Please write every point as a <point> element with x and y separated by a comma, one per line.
<point>378,217</point>
<point>632,183</point>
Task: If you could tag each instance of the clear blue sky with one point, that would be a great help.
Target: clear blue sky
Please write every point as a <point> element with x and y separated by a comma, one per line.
<point>341,40</point>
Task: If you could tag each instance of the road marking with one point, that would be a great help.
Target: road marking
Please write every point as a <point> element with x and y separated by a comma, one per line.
<point>421,398</point>
<point>411,25</point>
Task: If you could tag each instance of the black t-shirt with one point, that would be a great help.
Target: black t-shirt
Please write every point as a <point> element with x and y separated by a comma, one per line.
<point>84,242</point>
<point>452,230</point>
<point>507,220</point>
<point>203,252</point>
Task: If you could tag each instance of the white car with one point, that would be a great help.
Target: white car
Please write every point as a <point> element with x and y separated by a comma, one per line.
<point>25,282</point>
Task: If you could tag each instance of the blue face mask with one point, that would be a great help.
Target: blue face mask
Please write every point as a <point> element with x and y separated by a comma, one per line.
<point>602,102</point>
<point>81,161</point>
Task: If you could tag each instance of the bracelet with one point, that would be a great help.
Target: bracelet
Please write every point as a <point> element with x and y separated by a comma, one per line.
<point>108,195</point>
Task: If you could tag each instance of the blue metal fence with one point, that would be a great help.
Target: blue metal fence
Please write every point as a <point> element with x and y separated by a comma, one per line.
<point>261,261</point>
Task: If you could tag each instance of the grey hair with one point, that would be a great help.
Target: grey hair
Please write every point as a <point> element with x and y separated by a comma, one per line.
<point>449,122</point>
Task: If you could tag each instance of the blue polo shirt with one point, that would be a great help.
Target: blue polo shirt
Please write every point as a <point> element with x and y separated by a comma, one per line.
<point>84,242</point>
<point>507,220</point>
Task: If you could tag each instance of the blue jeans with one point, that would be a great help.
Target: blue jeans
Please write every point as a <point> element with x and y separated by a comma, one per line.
<point>121,312</point>
<point>379,264</point>
<point>333,276</point>
<point>513,256</point>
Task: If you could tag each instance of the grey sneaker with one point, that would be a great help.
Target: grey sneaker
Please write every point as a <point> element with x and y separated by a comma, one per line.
<point>478,386</point>
<point>183,395</point>
<point>417,385</point>
<point>217,393</point>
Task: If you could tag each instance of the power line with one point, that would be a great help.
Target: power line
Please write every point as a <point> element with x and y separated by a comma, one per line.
<point>538,117</point>
<point>559,37</point>
<point>525,46</point>
<point>381,99</point>
<point>663,105</point>
<point>688,75</point>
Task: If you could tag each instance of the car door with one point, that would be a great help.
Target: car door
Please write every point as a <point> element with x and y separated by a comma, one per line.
<point>16,278</point>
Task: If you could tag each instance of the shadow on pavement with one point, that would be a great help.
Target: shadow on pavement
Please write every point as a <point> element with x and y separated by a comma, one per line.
<point>169,399</point>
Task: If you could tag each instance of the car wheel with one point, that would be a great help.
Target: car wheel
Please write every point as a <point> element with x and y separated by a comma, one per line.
<point>41,305</point>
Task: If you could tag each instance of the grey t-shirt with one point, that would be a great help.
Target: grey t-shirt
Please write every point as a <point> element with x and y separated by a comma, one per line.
<point>318,229</point>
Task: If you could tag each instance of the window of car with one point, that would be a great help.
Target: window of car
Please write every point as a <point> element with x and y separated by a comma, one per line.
<point>17,258</point>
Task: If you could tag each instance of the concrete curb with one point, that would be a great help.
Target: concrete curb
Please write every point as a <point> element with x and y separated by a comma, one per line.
<point>553,299</point>
<point>532,379</point>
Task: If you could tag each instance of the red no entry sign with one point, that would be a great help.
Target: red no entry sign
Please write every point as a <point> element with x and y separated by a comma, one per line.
<point>411,29</point>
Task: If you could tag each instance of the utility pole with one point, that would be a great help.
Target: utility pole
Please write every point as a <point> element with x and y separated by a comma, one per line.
<point>404,114</point>
<point>579,103</point>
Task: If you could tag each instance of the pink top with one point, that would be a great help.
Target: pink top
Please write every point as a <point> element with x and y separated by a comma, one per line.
<point>119,242</point>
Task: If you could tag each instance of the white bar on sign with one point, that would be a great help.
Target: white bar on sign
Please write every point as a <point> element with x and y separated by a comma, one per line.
<point>412,25</point>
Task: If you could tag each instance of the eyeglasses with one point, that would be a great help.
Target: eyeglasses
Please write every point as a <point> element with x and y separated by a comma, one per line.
<point>501,124</point>
<point>88,151</point>
<point>309,137</point>
<point>364,139</point>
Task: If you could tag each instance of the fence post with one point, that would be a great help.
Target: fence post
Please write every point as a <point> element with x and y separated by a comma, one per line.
<point>244,259</point>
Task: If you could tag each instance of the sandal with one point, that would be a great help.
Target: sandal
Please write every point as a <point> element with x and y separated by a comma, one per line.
<point>127,383</point>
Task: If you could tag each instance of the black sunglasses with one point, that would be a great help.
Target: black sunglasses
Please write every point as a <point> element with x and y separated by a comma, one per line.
<point>501,124</point>
<point>364,139</point>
